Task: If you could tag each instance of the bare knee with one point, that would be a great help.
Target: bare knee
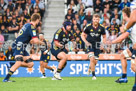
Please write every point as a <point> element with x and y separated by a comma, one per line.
<point>133,67</point>
<point>92,59</point>
<point>45,65</point>
<point>41,64</point>
<point>31,64</point>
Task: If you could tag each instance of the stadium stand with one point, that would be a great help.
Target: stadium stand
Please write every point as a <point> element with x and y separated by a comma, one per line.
<point>14,14</point>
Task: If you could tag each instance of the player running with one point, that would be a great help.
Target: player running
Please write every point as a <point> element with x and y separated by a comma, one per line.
<point>93,32</point>
<point>26,34</point>
<point>45,55</point>
<point>58,49</point>
<point>128,52</point>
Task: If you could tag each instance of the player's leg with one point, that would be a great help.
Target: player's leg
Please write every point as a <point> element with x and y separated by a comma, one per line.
<point>123,58</point>
<point>93,62</point>
<point>19,59</point>
<point>28,62</point>
<point>133,61</point>
<point>62,63</point>
<point>42,69</point>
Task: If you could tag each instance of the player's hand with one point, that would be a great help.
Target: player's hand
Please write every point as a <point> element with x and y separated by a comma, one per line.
<point>44,53</point>
<point>88,44</point>
<point>61,46</point>
<point>109,42</point>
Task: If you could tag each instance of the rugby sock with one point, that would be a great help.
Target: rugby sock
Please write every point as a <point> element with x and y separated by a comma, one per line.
<point>59,70</point>
<point>52,69</point>
<point>64,66</point>
<point>93,73</point>
<point>43,74</point>
<point>124,75</point>
<point>9,75</point>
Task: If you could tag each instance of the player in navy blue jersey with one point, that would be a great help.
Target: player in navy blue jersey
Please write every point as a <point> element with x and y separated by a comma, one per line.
<point>94,32</point>
<point>27,34</point>
<point>45,55</point>
<point>58,48</point>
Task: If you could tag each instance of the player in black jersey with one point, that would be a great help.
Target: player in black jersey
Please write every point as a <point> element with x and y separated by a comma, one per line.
<point>61,38</point>
<point>27,34</point>
<point>93,32</point>
<point>45,55</point>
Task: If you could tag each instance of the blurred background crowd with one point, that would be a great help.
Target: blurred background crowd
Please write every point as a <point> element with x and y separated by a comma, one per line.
<point>80,12</point>
<point>15,13</point>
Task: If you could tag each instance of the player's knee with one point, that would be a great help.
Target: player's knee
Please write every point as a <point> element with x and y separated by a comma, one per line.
<point>64,58</point>
<point>122,56</point>
<point>93,61</point>
<point>41,64</point>
<point>133,67</point>
<point>19,58</point>
<point>45,65</point>
<point>31,64</point>
<point>91,56</point>
<point>134,46</point>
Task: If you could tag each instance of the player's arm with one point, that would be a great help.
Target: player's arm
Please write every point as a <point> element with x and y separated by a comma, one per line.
<point>83,36</point>
<point>57,40</point>
<point>57,44</point>
<point>104,38</point>
<point>120,38</point>
<point>48,45</point>
<point>132,20</point>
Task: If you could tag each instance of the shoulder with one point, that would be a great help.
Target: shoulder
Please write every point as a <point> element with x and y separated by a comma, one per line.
<point>59,31</point>
<point>88,25</point>
<point>102,27</point>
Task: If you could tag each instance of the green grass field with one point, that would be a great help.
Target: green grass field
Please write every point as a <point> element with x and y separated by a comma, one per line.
<point>67,84</point>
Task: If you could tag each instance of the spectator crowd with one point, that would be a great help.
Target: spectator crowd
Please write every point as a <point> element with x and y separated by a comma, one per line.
<point>13,15</point>
<point>80,13</point>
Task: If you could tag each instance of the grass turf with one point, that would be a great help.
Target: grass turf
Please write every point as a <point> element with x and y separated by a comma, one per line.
<point>67,84</point>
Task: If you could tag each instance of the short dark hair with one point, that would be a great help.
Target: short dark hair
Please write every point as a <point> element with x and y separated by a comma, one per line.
<point>35,16</point>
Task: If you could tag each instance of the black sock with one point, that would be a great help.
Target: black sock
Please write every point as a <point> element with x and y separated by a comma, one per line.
<point>93,73</point>
<point>124,75</point>
<point>43,74</point>
<point>9,75</point>
<point>52,69</point>
<point>11,64</point>
<point>59,70</point>
<point>64,66</point>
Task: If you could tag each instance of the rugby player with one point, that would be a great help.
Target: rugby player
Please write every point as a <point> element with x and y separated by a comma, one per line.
<point>61,37</point>
<point>45,55</point>
<point>27,34</point>
<point>94,32</point>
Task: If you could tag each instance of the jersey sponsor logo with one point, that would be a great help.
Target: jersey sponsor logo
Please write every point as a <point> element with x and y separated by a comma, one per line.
<point>94,34</point>
<point>91,30</point>
<point>99,30</point>
<point>63,35</point>
<point>21,52</point>
<point>34,32</point>
<point>21,32</point>
<point>56,36</point>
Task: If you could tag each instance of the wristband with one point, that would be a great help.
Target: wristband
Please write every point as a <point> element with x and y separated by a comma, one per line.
<point>125,29</point>
<point>46,51</point>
